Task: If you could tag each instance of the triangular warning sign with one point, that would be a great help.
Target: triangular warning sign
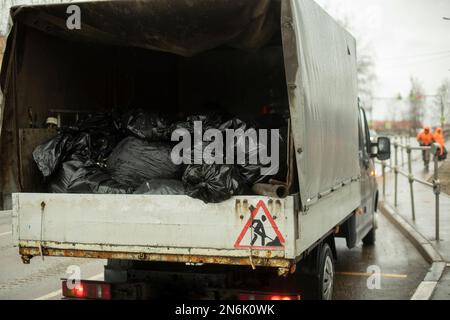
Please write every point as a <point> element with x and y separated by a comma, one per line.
<point>260,231</point>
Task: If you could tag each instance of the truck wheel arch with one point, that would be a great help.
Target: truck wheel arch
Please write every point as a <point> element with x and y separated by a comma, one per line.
<point>309,264</point>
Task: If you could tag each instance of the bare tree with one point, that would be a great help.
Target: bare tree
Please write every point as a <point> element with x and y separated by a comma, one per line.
<point>366,76</point>
<point>442,108</point>
<point>417,102</point>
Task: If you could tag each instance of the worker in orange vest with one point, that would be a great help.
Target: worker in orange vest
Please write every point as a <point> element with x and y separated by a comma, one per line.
<point>425,138</point>
<point>438,137</point>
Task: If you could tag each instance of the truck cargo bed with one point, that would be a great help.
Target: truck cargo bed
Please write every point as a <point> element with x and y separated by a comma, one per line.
<point>149,227</point>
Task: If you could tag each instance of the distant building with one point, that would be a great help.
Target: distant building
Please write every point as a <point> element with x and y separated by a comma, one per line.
<point>386,125</point>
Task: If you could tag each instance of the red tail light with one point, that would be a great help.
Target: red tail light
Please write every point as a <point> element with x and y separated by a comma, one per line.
<point>87,289</point>
<point>263,296</point>
<point>281,298</point>
<point>78,291</point>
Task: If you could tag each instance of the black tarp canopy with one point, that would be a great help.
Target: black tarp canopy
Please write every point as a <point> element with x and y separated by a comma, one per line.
<point>183,27</point>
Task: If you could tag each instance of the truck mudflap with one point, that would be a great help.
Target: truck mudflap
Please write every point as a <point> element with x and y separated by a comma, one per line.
<point>244,230</point>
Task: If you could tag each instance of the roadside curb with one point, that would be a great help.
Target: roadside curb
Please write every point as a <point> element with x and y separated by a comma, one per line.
<point>426,288</point>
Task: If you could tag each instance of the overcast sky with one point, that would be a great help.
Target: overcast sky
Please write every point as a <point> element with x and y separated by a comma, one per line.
<point>408,38</point>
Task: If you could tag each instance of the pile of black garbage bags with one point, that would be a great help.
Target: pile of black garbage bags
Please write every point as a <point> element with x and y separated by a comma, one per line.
<point>108,154</point>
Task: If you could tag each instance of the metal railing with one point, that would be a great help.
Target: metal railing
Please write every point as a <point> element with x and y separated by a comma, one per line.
<point>397,169</point>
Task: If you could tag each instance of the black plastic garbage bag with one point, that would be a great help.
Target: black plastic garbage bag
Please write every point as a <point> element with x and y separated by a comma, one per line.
<point>252,147</point>
<point>50,154</point>
<point>59,182</point>
<point>193,154</point>
<point>212,183</point>
<point>147,126</point>
<point>161,186</point>
<point>253,173</point>
<point>64,146</point>
<point>209,121</point>
<point>135,161</point>
<point>91,178</point>
<point>80,148</point>
<point>105,122</point>
<point>105,131</point>
<point>235,124</point>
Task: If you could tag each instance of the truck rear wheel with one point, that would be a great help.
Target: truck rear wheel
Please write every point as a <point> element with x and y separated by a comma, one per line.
<point>327,273</point>
<point>321,284</point>
<point>369,239</point>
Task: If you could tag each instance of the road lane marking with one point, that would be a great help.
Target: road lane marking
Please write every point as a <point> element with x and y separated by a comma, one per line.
<point>59,291</point>
<point>5,233</point>
<point>367,274</point>
<point>50,295</point>
<point>96,277</point>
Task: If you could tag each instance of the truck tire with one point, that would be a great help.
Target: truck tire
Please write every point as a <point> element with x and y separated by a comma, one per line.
<point>369,239</point>
<point>321,285</point>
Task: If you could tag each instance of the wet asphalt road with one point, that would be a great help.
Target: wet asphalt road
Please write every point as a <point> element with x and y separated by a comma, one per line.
<point>39,279</point>
<point>401,266</point>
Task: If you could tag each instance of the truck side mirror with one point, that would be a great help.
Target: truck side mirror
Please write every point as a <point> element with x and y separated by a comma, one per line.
<point>383,148</point>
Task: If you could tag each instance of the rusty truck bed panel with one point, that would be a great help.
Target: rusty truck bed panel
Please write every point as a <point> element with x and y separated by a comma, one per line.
<point>148,227</point>
<point>29,252</point>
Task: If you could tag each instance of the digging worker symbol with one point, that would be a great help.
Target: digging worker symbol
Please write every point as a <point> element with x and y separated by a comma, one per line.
<point>259,231</point>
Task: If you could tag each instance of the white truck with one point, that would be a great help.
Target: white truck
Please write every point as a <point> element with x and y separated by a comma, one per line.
<point>177,54</point>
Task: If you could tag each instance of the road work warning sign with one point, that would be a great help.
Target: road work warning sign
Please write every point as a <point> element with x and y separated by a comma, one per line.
<point>260,231</point>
